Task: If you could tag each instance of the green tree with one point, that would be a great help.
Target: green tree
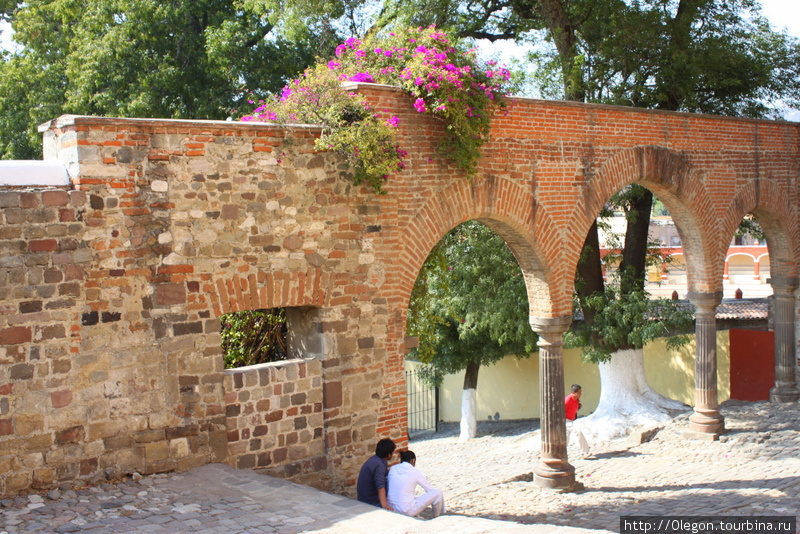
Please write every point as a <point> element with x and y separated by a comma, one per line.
<point>141,58</point>
<point>707,56</point>
<point>254,336</point>
<point>469,308</point>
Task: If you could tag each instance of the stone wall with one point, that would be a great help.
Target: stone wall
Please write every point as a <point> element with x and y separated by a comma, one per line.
<point>111,291</point>
<point>274,420</point>
<point>43,263</point>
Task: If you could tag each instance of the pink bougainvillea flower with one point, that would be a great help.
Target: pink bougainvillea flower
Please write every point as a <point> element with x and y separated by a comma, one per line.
<point>419,105</point>
<point>365,77</point>
<point>393,121</point>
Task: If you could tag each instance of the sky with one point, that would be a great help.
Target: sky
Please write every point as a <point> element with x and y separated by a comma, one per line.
<point>783,14</point>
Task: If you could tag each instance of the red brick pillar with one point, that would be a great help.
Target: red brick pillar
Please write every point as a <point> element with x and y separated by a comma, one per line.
<point>706,418</point>
<point>553,471</point>
<point>785,389</point>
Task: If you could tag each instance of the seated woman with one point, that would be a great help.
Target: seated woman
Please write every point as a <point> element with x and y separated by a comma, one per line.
<point>403,480</point>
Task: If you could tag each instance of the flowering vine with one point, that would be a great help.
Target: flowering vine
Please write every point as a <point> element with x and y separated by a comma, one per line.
<point>442,76</point>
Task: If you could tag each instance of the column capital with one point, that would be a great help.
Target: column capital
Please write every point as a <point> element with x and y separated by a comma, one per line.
<point>783,284</point>
<point>705,300</point>
<point>550,325</point>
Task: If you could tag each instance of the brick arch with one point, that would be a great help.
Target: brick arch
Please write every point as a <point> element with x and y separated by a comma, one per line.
<point>263,289</point>
<point>673,179</point>
<point>771,204</point>
<point>502,205</point>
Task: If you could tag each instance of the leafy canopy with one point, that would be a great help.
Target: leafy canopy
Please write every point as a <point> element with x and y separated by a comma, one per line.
<point>443,77</point>
<point>136,58</point>
<point>627,320</point>
<point>469,303</point>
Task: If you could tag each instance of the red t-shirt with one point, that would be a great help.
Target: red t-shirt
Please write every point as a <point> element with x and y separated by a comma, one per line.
<point>571,405</point>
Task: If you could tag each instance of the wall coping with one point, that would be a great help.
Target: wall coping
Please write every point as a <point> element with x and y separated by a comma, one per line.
<point>15,173</point>
<point>270,365</point>
<point>66,121</point>
<point>88,120</point>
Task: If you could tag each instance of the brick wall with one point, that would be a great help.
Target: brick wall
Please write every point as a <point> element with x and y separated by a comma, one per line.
<point>110,358</point>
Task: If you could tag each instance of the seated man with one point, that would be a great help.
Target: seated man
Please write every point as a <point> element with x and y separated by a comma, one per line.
<point>371,485</point>
<point>403,480</point>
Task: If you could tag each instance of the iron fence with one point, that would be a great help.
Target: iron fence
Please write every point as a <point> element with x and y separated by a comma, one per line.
<point>423,405</point>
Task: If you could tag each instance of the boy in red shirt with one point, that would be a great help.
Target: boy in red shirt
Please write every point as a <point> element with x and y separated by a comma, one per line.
<point>572,402</point>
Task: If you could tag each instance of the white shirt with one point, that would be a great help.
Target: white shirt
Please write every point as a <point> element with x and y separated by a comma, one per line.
<point>403,480</point>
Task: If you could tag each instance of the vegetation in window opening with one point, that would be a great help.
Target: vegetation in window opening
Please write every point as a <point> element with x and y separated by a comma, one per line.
<point>253,337</point>
<point>440,73</point>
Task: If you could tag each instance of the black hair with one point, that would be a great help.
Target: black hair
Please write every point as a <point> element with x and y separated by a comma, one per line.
<point>576,388</point>
<point>384,448</point>
<point>407,456</point>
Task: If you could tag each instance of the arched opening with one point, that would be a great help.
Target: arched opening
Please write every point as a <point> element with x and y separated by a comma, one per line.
<point>620,314</point>
<point>470,309</point>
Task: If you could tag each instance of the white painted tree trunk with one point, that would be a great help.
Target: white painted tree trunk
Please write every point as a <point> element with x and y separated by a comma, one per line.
<point>626,400</point>
<point>469,424</point>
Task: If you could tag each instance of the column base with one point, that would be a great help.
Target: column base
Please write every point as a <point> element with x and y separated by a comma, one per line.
<point>784,393</point>
<point>556,476</point>
<point>707,422</point>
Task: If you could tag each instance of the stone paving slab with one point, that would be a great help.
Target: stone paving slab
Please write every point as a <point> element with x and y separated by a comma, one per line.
<point>217,499</point>
<point>752,470</point>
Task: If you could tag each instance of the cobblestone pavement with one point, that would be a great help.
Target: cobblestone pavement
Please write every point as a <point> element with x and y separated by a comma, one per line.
<point>754,469</point>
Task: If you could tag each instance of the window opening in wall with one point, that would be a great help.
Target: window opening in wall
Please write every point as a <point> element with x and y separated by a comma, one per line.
<point>254,336</point>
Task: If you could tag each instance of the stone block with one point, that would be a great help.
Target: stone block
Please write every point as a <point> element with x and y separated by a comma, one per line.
<point>60,399</point>
<point>170,294</point>
<point>156,452</point>
<point>6,427</point>
<point>126,460</point>
<point>64,454</point>
<point>29,424</point>
<point>179,448</point>
<point>15,335</point>
<point>115,443</point>
<point>639,436</point>
<point>39,442</point>
<point>149,436</point>
<point>74,434</point>
<point>17,482</point>
<point>105,429</point>
<point>219,446</point>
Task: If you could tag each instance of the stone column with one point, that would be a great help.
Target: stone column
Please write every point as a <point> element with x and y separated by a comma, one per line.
<point>706,418</point>
<point>553,472</point>
<point>785,389</point>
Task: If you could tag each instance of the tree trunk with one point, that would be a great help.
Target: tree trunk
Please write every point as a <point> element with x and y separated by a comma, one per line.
<point>677,75</point>
<point>469,422</point>
<point>626,400</point>
<point>562,31</point>
<point>637,233</point>
<point>590,271</point>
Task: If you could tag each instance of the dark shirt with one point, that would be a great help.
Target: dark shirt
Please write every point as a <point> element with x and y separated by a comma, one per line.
<point>372,478</point>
